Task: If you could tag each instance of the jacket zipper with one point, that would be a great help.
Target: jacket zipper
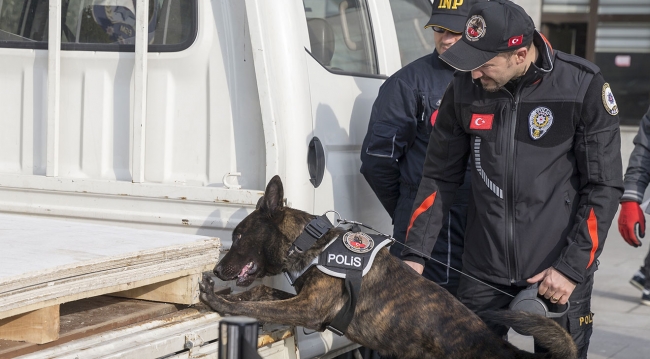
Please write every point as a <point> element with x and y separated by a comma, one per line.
<point>509,197</point>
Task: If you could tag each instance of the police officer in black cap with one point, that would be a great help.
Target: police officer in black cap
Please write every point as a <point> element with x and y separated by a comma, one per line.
<point>394,148</point>
<point>542,130</point>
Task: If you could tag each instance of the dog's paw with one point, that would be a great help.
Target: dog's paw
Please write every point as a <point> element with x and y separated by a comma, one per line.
<point>217,302</point>
<point>206,284</point>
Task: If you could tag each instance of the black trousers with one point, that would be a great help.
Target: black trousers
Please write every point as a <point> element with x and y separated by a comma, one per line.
<point>646,270</point>
<point>578,321</point>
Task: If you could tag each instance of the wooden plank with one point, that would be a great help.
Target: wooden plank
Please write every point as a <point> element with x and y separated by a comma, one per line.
<point>86,317</point>
<point>184,290</point>
<point>40,326</point>
<point>50,269</point>
<point>151,339</point>
<point>272,337</point>
<point>49,246</point>
<point>100,291</point>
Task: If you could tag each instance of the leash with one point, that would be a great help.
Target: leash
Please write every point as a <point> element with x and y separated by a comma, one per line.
<point>527,300</point>
<point>425,256</point>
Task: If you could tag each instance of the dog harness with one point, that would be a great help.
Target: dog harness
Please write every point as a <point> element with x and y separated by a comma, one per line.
<point>348,256</point>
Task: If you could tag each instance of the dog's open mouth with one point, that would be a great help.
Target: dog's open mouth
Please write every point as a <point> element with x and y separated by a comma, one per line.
<point>246,275</point>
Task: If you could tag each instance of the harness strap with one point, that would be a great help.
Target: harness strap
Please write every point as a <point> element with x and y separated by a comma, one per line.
<point>341,321</point>
<point>314,230</point>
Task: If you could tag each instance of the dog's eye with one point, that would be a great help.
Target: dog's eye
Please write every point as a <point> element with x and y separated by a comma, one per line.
<point>236,237</point>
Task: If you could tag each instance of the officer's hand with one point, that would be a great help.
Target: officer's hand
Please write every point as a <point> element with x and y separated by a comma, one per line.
<point>416,266</point>
<point>630,222</point>
<point>553,285</point>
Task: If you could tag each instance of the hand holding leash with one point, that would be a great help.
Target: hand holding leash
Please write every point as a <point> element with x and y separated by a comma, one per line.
<point>630,222</point>
<point>553,285</point>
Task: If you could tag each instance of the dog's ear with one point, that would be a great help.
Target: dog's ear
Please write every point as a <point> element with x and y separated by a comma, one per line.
<point>259,202</point>
<point>273,196</point>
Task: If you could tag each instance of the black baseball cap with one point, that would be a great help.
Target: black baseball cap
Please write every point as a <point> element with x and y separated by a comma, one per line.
<point>450,14</point>
<point>491,28</point>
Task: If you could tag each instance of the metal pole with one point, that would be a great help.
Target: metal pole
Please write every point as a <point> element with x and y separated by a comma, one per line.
<point>140,90</point>
<point>238,338</point>
<point>53,87</point>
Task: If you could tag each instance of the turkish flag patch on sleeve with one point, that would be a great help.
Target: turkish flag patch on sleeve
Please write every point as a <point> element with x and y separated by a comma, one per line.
<point>481,121</point>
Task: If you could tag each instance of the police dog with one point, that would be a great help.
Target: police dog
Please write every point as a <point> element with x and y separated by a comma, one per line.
<point>398,312</point>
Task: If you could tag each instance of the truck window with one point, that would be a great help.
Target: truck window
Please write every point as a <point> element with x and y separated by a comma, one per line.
<point>98,25</point>
<point>340,35</point>
<point>413,39</point>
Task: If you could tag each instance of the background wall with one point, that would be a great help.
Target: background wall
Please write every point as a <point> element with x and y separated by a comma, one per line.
<point>533,8</point>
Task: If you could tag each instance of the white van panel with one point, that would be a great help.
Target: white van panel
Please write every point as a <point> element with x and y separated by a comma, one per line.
<point>23,108</point>
<point>203,123</point>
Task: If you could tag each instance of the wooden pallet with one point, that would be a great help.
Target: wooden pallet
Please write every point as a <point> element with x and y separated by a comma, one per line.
<point>42,325</point>
<point>47,263</point>
<point>135,329</point>
<point>90,316</point>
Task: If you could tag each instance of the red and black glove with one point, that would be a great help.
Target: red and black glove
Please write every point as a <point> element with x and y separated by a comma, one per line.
<point>630,222</point>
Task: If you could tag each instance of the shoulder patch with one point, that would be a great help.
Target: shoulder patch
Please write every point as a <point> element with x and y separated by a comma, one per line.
<point>609,101</point>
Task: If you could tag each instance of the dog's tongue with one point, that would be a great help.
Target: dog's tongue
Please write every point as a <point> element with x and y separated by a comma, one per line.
<point>244,271</point>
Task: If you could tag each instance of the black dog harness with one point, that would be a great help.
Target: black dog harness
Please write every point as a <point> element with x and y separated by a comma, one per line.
<point>348,256</point>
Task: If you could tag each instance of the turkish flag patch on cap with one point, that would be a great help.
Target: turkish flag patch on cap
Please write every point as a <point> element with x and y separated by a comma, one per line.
<point>516,40</point>
<point>481,121</point>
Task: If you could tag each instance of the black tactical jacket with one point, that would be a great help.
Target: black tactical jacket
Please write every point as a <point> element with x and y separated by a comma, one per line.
<point>546,171</point>
<point>395,145</point>
<point>637,175</point>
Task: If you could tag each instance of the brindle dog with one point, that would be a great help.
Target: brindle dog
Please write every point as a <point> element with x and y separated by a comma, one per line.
<point>398,311</point>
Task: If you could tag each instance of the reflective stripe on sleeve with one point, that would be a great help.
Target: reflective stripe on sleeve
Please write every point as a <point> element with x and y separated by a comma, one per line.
<point>426,204</point>
<point>592,224</point>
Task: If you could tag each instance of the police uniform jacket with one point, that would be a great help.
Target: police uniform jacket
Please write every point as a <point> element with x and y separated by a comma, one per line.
<point>546,171</point>
<point>393,154</point>
<point>395,145</point>
<point>637,175</point>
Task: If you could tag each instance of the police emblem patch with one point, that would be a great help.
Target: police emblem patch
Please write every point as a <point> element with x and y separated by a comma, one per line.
<point>608,100</point>
<point>539,121</point>
<point>475,28</point>
<point>358,242</point>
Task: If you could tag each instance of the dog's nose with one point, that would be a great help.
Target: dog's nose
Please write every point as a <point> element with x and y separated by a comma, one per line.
<point>217,270</point>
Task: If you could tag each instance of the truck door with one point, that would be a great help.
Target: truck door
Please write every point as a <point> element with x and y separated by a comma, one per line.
<point>344,78</point>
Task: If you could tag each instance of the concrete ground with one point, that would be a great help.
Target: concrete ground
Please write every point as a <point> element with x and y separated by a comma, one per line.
<point>621,322</point>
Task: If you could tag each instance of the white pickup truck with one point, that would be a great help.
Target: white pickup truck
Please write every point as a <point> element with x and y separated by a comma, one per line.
<point>172,115</point>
